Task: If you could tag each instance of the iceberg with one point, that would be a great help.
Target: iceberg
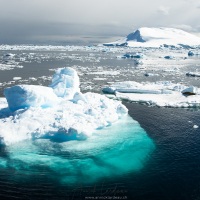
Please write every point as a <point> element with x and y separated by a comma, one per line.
<point>161,94</point>
<point>59,112</point>
<point>49,128</point>
<point>157,37</point>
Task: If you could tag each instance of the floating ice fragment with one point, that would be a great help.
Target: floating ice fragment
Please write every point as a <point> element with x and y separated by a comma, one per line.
<point>190,53</point>
<point>150,74</point>
<point>8,56</point>
<point>169,57</point>
<point>190,90</point>
<point>138,62</point>
<point>160,93</point>
<point>195,126</point>
<point>195,74</point>
<point>17,78</point>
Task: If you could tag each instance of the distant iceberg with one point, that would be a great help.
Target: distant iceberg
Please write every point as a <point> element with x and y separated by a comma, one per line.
<point>59,112</point>
<point>156,37</point>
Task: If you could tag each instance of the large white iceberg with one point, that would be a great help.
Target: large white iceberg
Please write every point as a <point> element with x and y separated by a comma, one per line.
<point>156,37</point>
<point>61,113</point>
<point>162,94</point>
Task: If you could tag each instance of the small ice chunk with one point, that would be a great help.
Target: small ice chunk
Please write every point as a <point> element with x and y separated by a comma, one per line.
<point>195,126</point>
<point>194,74</point>
<point>32,79</point>
<point>8,56</point>
<point>190,53</point>
<point>190,90</point>
<point>138,62</point>
<point>169,57</point>
<point>150,74</point>
<point>17,78</point>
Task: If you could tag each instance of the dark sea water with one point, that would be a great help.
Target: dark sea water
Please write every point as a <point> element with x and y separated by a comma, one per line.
<point>160,162</point>
<point>173,172</point>
<point>170,172</point>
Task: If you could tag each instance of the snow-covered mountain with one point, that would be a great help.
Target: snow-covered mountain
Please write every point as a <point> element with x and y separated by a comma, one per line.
<point>155,37</point>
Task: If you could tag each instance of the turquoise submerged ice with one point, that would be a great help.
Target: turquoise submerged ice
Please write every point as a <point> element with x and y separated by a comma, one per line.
<point>111,152</point>
<point>75,137</point>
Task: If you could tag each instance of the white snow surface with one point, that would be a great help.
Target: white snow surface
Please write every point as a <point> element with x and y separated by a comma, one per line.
<point>162,94</point>
<point>156,37</point>
<point>39,112</point>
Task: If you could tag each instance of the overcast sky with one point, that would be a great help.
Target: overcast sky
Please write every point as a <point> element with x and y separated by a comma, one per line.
<point>26,20</point>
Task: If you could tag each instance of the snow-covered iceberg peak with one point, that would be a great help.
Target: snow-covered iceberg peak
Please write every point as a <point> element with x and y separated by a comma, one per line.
<point>156,37</point>
<point>65,82</point>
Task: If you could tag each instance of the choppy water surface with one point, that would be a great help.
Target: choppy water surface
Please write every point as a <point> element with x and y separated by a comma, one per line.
<point>157,158</point>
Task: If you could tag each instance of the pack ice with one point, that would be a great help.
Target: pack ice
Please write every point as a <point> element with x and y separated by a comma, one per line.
<point>59,112</point>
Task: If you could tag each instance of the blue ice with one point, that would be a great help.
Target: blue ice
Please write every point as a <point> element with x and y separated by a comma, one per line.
<point>111,152</point>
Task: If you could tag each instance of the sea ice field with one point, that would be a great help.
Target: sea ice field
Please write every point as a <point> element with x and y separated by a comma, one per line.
<point>75,118</point>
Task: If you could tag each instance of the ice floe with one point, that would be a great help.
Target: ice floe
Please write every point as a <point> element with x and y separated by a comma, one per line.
<point>197,74</point>
<point>9,66</point>
<point>17,78</point>
<point>162,94</point>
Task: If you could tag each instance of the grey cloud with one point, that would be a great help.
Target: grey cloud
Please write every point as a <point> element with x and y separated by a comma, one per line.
<point>16,31</point>
<point>184,27</point>
<point>163,10</point>
<point>26,19</point>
